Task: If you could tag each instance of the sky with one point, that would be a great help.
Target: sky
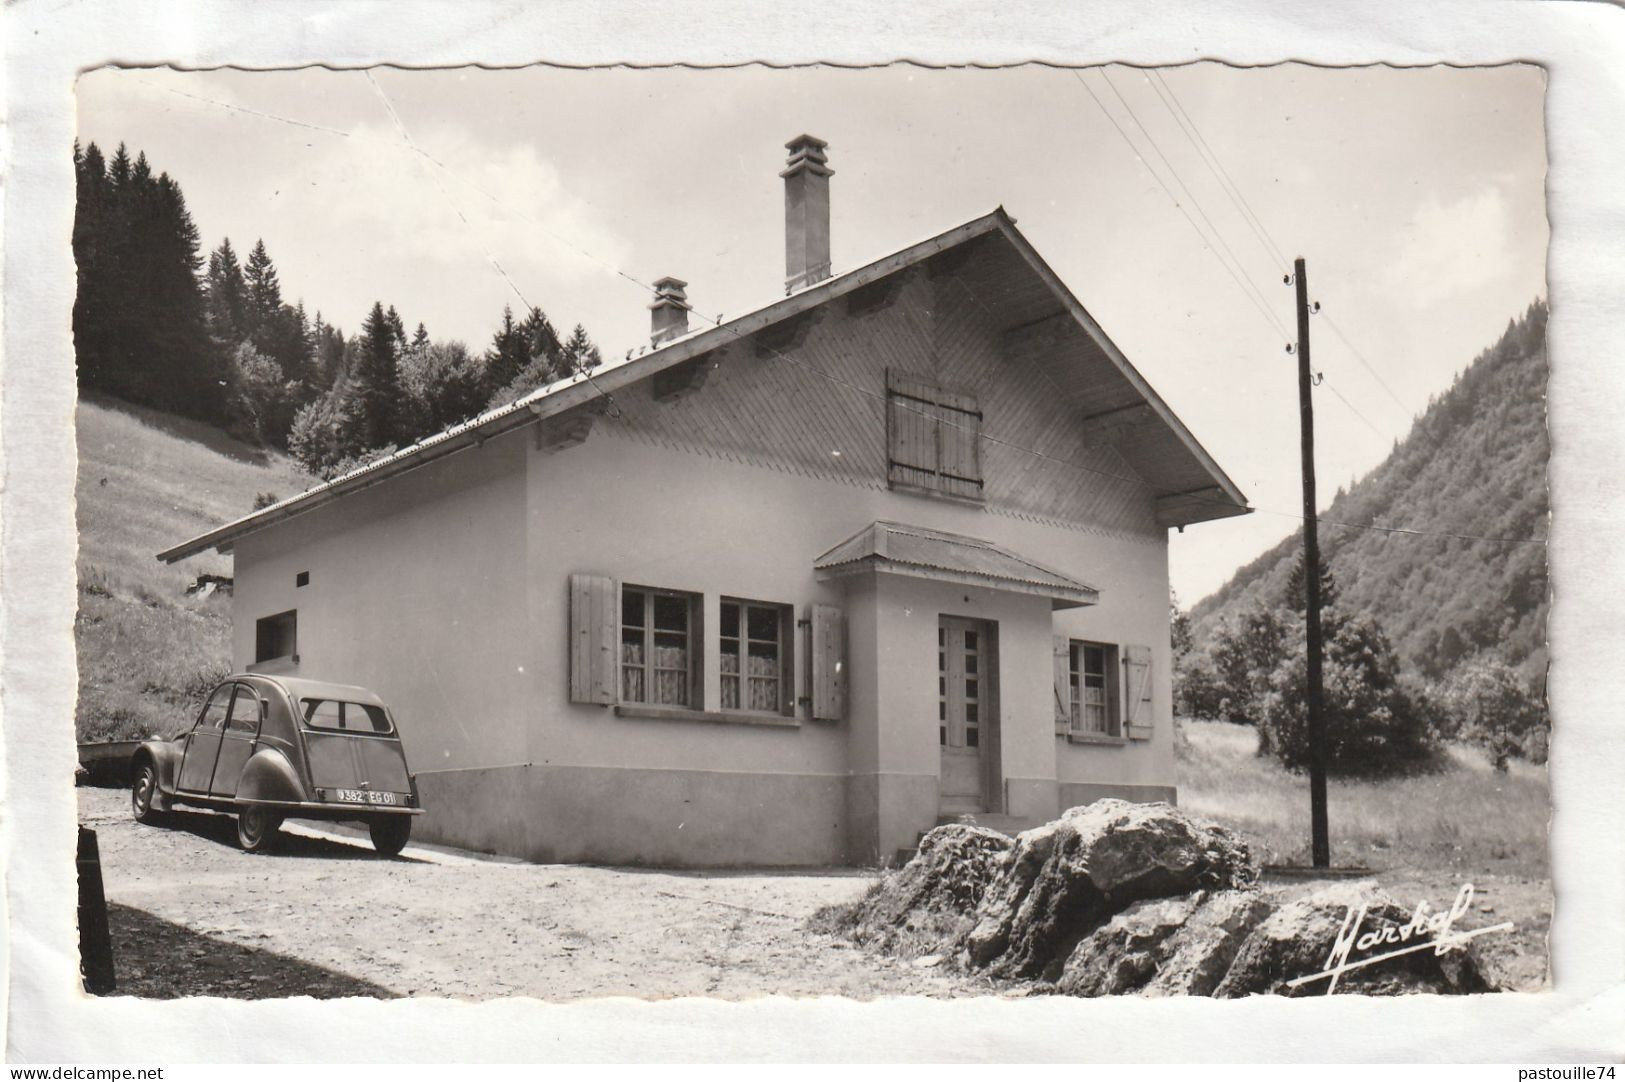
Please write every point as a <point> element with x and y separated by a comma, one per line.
<point>1164,198</point>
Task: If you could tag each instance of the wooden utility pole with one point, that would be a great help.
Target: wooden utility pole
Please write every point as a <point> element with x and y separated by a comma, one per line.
<point>1320,842</point>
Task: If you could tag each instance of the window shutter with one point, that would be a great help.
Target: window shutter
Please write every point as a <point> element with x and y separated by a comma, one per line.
<point>827,643</point>
<point>1063,685</point>
<point>961,443</point>
<point>594,629</point>
<point>1137,668</point>
<point>1115,671</point>
<point>911,431</point>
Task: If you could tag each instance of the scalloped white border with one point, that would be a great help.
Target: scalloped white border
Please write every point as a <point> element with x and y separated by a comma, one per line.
<point>1582,45</point>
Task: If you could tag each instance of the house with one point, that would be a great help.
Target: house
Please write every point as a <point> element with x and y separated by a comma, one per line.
<point>786,590</point>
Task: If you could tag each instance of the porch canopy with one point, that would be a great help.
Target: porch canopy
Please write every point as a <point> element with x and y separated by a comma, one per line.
<point>899,549</point>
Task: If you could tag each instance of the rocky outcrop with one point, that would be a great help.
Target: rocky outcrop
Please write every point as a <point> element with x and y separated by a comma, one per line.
<point>1297,940</point>
<point>930,903</point>
<point>1117,898</point>
<point>1067,878</point>
<point>1169,947</point>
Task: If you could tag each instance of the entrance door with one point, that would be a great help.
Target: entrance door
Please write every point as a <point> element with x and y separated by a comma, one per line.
<point>966,722</point>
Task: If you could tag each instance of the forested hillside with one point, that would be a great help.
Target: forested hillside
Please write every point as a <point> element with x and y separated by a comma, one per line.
<point>1473,466</point>
<point>157,324</point>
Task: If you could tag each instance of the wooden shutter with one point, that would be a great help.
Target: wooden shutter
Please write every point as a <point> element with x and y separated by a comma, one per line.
<point>1137,695</point>
<point>1115,670</point>
<point>960,444</point>
<point>594,631</point>
<point>1063,685</point>
<point>827,673</point>
<point>911,431</point>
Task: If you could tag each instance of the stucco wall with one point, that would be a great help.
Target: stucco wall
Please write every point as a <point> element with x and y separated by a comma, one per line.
<point>446,590</point>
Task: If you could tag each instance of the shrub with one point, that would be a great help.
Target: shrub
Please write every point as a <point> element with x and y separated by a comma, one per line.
<point>1244,655</point>
<point>1488,705</point>
<point>1372,726</point>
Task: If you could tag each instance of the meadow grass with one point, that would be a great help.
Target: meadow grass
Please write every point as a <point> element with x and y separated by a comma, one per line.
<point>1462,815</point>
<point>148,481</point>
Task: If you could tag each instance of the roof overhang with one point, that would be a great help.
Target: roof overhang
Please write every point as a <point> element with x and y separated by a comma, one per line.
<point>585,393</point>
<point>916,552</point>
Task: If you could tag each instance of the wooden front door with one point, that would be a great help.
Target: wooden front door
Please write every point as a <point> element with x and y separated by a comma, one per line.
<point>966,716</point>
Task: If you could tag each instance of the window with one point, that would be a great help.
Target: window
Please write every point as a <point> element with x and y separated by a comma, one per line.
<point>214,715</point>
<point>933,437</point>
<point>659,654</point>
<point>276,636</point>
<point>755,646</point>
<point>352,717</point>
<point>245,713</point>
<point>1093,686</point>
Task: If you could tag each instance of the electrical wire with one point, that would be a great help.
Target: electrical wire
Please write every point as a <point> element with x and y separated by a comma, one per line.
<point>1263,309</point>
<point>1195,203</point>
<point>886,400</point>
<point>1227,182</point>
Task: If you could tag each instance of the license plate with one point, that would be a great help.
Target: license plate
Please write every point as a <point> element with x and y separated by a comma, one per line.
<point>365,796</point>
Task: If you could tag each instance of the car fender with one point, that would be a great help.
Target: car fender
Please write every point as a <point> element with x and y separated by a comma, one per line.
<point>268,775</point>
<point>165,757</point>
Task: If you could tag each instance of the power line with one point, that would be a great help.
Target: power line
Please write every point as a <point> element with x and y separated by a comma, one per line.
<point>1220,172</point>
<point>1257,303</point>
<point>882,399</point>
<point>1174,172</point>
<point>1196,203</point>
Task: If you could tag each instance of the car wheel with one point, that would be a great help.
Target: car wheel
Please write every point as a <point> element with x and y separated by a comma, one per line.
<point>389,835</point>
<point>256,829</point>
<point>142,791</point>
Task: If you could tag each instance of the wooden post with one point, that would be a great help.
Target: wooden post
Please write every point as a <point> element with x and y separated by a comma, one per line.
<point>1320,842</point>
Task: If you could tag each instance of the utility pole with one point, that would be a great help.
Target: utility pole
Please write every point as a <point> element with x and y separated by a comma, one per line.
<point>1320,842</point>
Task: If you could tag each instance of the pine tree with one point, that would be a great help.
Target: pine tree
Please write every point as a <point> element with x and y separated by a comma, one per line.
<point>264,295</point>
<point>227,293</point>
<point>507,356</point>
<point>579,353</point>
<point>375,381</point>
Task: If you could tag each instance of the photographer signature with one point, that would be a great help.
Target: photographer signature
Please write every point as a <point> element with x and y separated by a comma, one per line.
<point>1431,928</point>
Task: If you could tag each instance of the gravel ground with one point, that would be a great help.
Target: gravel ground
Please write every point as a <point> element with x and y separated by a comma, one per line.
<point>323,915</point>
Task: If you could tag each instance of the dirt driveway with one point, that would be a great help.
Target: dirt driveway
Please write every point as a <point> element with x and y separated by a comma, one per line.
<point>323,915</point>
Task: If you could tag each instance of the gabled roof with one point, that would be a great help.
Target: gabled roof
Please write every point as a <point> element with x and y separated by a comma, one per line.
<point>899,549</point>
<point>1189,485</point>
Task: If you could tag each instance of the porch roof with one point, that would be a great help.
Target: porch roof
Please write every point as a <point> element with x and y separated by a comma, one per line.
<point>900,549</point>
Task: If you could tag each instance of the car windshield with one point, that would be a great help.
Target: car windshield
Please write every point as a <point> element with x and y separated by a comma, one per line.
<point>345,717</point>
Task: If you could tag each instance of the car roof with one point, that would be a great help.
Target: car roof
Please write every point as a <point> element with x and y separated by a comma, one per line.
<point>300,688</point>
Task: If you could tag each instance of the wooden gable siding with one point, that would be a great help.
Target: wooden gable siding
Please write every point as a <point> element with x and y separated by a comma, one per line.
<point>792,411</point>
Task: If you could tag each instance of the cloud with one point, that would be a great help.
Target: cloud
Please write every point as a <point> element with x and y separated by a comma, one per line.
<point>1450,250</point>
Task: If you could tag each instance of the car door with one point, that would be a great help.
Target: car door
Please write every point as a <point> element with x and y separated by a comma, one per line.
<point>237,741</point>
<point>203,743</point>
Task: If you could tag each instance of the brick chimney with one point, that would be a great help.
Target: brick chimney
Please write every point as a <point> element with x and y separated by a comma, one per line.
<point>806,213</point>
<point>668,315</point>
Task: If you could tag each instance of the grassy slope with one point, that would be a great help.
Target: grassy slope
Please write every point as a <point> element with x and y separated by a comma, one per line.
<point>1463,817</point>
<point>148,480</point>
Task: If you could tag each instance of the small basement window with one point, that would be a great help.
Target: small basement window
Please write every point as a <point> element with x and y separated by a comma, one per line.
<point>276,636</point>
<point>660,647</point>
<point>755,644</point>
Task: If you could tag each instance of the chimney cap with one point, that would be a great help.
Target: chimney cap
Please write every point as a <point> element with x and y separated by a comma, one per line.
<point>805,140</point>
<point>669,284</point>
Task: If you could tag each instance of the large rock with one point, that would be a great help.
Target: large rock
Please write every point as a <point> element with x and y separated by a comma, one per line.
<point>930,903</point>
<point>1167,947</point>
<point>1297,940</point>
<point>1068,877</point>
<point>1200,954</point>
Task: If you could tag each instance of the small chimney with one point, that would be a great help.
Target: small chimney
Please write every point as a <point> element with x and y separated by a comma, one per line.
<point>668,315</point>
<point>806,213</point>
